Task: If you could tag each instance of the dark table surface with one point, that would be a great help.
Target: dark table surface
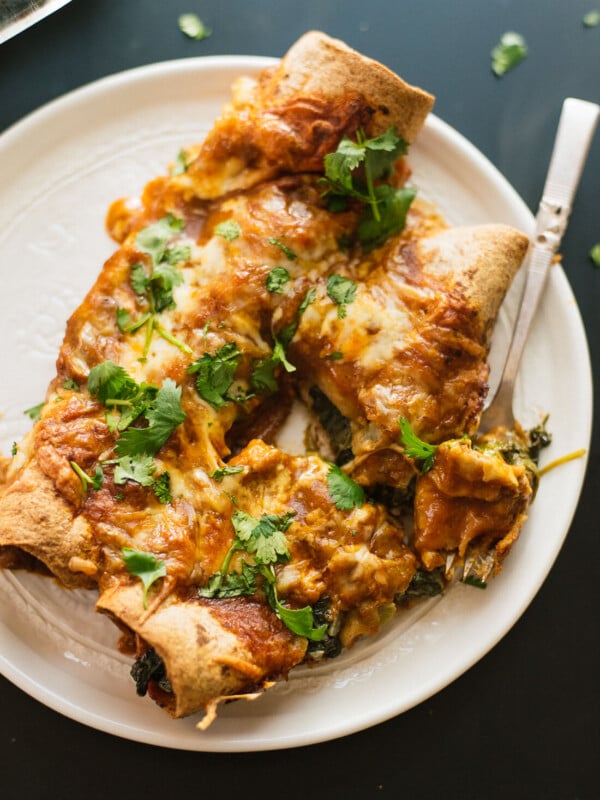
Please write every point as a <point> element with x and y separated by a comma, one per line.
<point>522,722</point>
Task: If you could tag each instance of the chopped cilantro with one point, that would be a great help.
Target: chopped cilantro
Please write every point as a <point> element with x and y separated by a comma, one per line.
<point>153,239</point>
<point>35,411</point>
<point>288,253</point>
<point>229,229</point>
<point>335,356</point>
<point>223,472</point>
<point>138,278</point>
<point>193,27</point>
<point>215,374</point>
<point>144,566</point>
<point>591,19</point>
<point>14,449</point>
<point>69,383</point>
<point>162,488</point>
<point>393,205</point>
<point>139,469</point>
<point>86,480</point>
<point>345,493</point>
<point>263,375</point>
<point>164,414</point>
<point>109,382</point>
<point>341,291</point>
<point>277,279</point>
<point>416,448</point>
<point>508,53</point>
<point>181,164</point>
<point>595,254</point>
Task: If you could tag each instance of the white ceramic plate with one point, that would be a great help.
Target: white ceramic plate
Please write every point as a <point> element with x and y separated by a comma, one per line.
<point>61,167</point>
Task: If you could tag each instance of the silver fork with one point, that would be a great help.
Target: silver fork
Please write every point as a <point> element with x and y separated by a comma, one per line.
<point>576,127</point>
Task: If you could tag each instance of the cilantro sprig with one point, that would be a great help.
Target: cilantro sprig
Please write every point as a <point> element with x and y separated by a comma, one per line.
<point>356,170</point>
<point>129,402</point>
<point>155,288</point>
<point>265,541</point>
<point>416,448</point>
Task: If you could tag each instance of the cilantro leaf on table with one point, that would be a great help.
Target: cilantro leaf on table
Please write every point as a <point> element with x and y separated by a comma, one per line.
<point>144,566</point>
<point>508,53</point>
<point>164,414</point>
<point>341,291</point>
<point>215,374</point>
<point>591,19</point>
<point>345,493</point>
<point>193,27</point>
<point>416,448</point>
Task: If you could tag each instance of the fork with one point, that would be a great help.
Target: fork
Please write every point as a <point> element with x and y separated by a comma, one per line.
<point>576,127</point>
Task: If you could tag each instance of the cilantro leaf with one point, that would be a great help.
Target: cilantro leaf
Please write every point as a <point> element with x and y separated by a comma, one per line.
<point>70,384</point>
<point>341,291</point>
<point>263,375</point>
<point>215,374</point>
<point>229,229</point>
<point>164,414</point>
<point>277,279</point>
<point>288,253</point>
<point>178,253</point>
<point>264,538</point>
<point>345,493</point>
<point>416,448</point>
<point>86,480</point>
<point>231,584</point>
<point>299,620</point>
<point>181,164</point>
<point>508,53</point>
<point>108,381</point>
<point>138,279</point>
<point>223,472</point>
<point>165,277</point>
<point>139,469</point>
<point>153,239</point>
<point>595,254</point>
<point>35,411</point>
<point>162,488</point>
<point>193,27</point>
<point>144,566</point>
<point>392,205</point>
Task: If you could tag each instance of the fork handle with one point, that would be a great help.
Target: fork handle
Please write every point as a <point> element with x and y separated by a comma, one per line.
<point>575,131</point>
